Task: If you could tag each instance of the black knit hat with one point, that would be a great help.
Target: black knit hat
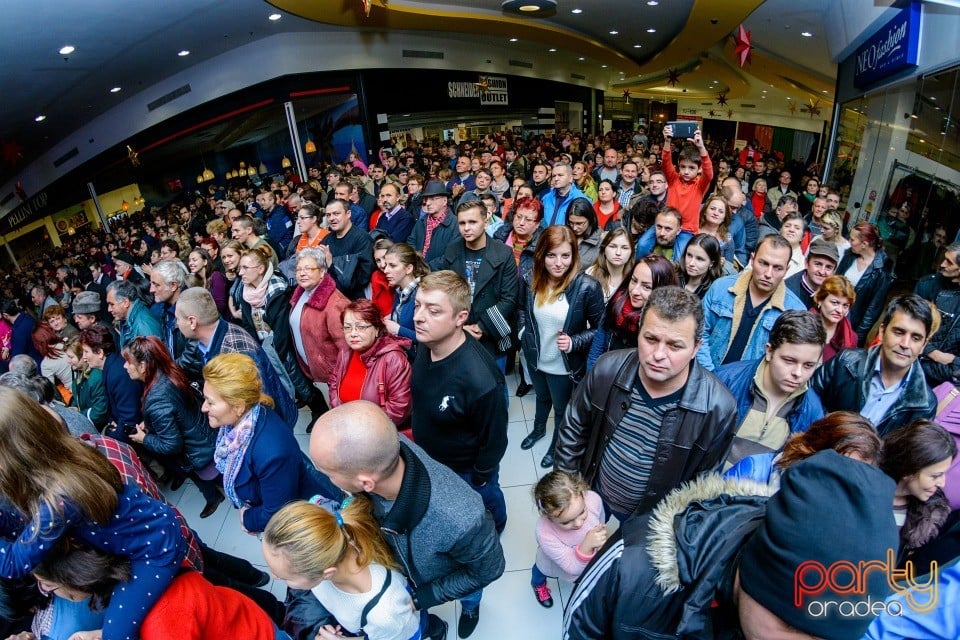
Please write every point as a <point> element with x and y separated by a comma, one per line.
<point>829,508</point>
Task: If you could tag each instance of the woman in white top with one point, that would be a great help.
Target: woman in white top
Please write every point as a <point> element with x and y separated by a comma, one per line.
<point>614,261</point>
<point>792,228</point>
<point>831,225</point>
<point>337,552</point>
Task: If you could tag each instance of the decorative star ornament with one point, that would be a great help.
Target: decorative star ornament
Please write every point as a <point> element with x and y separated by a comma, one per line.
<point>813,108</point>
<point>793,109</point>
<point>722,99</point>
<point>133,156</point>
<point>367,4</point>
<point>626,95</point>
<point>743,46</point>
<point>673,77</point>
<point>729,113</point>
<point>712,113</point>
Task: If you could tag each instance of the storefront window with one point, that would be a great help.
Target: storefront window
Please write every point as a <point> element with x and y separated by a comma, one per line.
<point>933,123</point>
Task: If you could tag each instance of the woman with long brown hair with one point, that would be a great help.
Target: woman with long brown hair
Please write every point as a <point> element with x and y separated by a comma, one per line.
<point>58,487</point>
<point>614,261</point>
<point>869,270</point>
<point>174,429</point>
<point>560,310</point>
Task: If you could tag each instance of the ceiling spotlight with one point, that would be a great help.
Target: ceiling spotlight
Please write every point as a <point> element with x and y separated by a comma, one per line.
<point>651,30</point>
<point>513,39</point>
<point>274,17</point>
<point>552,50</point>
<point>614,32</point>
<point>183,53</point>
<point>576,10</point>
<point>531,8</point>
<point>67,49</point>
<point>603,66</point>
<point>806,34</point>
<point>40,118</point>
<point>115,90</point>
<point>652,3</point>
<point>582,58</point>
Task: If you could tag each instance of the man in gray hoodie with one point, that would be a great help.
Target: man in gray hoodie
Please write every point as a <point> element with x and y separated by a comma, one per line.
<point>436,525</point>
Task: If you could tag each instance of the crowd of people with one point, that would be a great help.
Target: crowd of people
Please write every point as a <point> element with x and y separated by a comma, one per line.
<point>726,362</point>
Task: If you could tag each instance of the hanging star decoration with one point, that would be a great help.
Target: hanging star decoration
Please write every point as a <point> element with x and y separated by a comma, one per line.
<point>729,113</point>
<point>712,113</point>
<point>813,108</point>
<point>133,156</point>
<point>626,95</point>
<point>12,153</point>
<point>722,99</point>
<point>367,4</point>
<point>673,77</point>
<point>742,47</point>
<point>793,109</point>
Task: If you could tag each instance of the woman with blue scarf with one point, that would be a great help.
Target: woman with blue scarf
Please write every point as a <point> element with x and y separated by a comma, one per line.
<point>262,465</point>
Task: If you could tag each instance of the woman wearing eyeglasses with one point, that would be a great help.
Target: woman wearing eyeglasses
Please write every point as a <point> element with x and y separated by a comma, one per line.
<point>310,232</point>
<point>373,366</point>
<point>315,327</point>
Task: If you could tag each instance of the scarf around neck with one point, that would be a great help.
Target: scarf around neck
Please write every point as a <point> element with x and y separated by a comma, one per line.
<point>232,444</point>
<point>257,296</point>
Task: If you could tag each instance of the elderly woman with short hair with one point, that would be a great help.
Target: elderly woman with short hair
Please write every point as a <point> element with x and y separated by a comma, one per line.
<point>316,329</point>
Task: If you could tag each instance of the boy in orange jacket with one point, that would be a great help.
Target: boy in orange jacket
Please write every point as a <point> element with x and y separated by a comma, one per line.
<point>685,190</point>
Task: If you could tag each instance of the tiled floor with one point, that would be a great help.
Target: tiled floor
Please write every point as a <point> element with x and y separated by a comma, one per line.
<point>509,610</point>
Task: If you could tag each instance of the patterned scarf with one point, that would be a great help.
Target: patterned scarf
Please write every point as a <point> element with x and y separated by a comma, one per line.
<point>432,223</point>
<point>232,443</point>
<point>402,296</point>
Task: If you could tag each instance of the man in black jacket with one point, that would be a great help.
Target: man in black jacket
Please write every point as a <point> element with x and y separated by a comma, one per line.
<point>940,359</point>
<point>643,421</point>
<point>885,383</point>
<point>716,559</point>
<point>434,522</point>
<point>348,250</point>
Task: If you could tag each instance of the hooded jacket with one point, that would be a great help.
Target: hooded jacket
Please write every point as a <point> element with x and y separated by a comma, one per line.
<point>387,383</point>
<point>676,563</point>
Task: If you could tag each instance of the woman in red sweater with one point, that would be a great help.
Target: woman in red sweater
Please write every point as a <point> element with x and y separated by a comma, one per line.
<point>374,366</point>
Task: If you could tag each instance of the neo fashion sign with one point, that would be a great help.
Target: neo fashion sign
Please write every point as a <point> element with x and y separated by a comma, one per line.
<point>492,90</point>
<point>892,48</point>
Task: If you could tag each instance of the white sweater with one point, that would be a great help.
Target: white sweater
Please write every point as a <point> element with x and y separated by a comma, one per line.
<point>393,618</point>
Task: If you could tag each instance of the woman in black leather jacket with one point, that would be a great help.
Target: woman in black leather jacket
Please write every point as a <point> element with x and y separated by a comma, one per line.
<point>867,266</point>
<point>560,309</point>
<point>174,429</point>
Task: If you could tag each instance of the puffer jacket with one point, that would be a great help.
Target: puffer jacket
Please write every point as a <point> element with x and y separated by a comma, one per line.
<point>584,315</point>
<point>675,564</point>
<point>843,384</point>
<point>871,291</point>
<point>176,426</point>
<point>387,383</point>
<point>694,437</point>
<point>321,329</point>
<point>140,322</point>
<point>439,532</point>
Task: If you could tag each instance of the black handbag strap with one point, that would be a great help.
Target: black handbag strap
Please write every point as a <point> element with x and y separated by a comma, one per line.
<point>375,600</point>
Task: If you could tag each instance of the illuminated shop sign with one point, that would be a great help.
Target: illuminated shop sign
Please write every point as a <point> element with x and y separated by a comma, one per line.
<point>491,90</point>
<point>892,48</point>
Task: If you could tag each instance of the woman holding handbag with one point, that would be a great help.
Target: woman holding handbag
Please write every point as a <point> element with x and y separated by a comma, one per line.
<point>560,309</point>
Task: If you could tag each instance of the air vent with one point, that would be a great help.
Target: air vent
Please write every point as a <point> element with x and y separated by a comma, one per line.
<point>69,154</point>
<point>578,76</point>
<point>170,97</point>
<point>748,106</point>
<point>415,53</point>
<point>706,104</point>
<point>521,63</point>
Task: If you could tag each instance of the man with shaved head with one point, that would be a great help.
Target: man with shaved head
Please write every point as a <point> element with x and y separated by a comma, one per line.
<point>433,521</point>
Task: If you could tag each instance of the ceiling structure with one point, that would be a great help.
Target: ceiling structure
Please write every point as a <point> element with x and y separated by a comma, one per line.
<point>617,45</point>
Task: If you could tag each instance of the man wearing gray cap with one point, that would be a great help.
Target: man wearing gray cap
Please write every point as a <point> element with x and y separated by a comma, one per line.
<point>822,259</point>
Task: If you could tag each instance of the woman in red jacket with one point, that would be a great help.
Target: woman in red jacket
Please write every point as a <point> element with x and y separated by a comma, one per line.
<point>373,366</point>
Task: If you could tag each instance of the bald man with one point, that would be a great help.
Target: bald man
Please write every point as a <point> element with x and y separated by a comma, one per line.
<point>433,521</point>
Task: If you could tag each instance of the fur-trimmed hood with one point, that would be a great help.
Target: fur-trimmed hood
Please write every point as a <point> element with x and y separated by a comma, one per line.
<point>706,512</point>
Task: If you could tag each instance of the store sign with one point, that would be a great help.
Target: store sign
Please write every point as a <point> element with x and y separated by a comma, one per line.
<point>27,210</point>
<point>893,48</point>
<point>491,90</point>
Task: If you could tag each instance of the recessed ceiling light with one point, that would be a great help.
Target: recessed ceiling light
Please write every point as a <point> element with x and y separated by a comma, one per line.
<point>614,32</point>
<point>576,10</point>
<point>806,34</point>
<point>582,58</point>
<point>603,66</point>
<point>183,52</point>
<point>552,50</point>
<point>637,46</point>
<point>40,118</point>
<point>67,49</point>
<point>538,8</point>
<point>651,30</point>
<point>513,39</point>
<point>115,90</point>
<point>274,16</point>
<point>789,98</point>
<point>764,91</point>
<point>931,97</point>
<point>652,3</point>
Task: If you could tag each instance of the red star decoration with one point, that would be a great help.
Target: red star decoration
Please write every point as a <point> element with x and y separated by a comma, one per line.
<point>722,99</point>
<point>673,77</point>
<point>743,47</point>
<point>12,153</point>
<point>626,95</point>
<point>366,6</point>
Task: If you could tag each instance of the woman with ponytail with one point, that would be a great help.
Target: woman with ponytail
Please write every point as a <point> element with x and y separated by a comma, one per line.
<point>336,551</point>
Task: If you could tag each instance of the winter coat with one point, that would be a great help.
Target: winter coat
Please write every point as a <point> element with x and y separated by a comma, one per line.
<point>123,395</point>
<point>387,383</point>
<point>584,315</point>
<point>140,322</point>
<point>321,329</point>
<point>89,396</point>
<point>176,426</point>
<point>694,436</point>
<point>445,233</point>
<point>871,292</point>
<point>843,384</point>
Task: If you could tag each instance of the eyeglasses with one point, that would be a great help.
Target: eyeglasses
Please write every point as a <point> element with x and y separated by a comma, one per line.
<point>524,219</point>
<point>359,328</point>
<point>306,269</point>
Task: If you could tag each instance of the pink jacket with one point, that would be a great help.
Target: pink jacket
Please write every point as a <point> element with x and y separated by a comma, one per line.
<point>948,417</point>
<point>321,328</point>
<point>557,554</point>
<point>388,377</point>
